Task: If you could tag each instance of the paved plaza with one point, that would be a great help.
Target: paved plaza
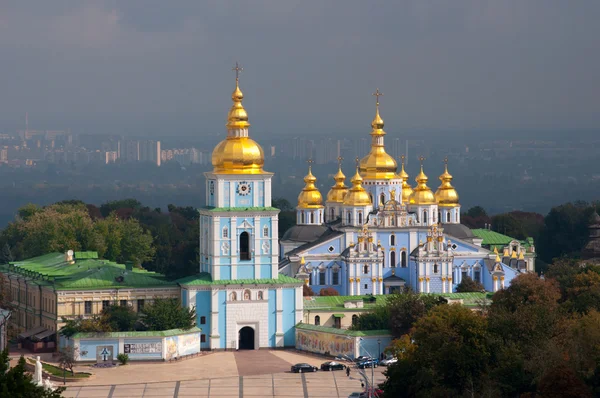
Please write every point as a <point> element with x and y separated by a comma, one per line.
<point>261,373</point>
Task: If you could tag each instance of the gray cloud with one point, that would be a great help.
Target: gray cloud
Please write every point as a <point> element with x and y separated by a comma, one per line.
<point>155,66</point>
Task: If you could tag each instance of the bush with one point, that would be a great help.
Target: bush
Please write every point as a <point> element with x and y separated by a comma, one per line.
<point>123,358</point>
<point>328,291</point>
<point>307,291</point>
<point>468,285</point>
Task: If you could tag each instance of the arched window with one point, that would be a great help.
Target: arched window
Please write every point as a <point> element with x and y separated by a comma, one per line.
<point>354,319</point>
<point>233,296</point>
<point>303,220</point>
<point>392,259</point>
<point>225,232</point>
<point>403,259</point>
<point>320,218</point>
<point>365,269</point>
<point>265,232</point>
<point>260,296</point>
<point>317,320</point>
<point>440,216</point>
<point>435,268</point>
<point>425,217</point>
<point>202,320</point>
<point>332,211</point>
<point>393,240</point>
<point>245,246</point>
<point>382,199</point>
<point>359,218</point>
<point>448,217</point>
<point>349,218</point>
<point>312,218</point>
<point>371,197</point>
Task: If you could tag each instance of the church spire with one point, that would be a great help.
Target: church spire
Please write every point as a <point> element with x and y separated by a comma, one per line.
<point>237,117</point>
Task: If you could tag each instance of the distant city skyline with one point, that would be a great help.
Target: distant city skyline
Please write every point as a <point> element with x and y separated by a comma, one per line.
<point>145,68</point>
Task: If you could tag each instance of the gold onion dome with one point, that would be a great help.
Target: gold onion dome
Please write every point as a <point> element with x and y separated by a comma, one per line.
<point>422,194</point>
<point>378,164</point>
<point>446,195</point>
<point>357,195</point>
<point>339,190</point>
<point>406,188</point>
<point>238,153</point>
<point>310,197</point>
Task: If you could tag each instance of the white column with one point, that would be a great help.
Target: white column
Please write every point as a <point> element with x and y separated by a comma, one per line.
<point>258,254</point>
<point>268,193</point>
<point>214,320</point>
<point>279,326</point>
<point>357,287</point>
<point>220,202</point>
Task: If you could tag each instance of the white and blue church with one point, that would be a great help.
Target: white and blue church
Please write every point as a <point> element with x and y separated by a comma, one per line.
<point>241,299</point>
<point>381,235</point>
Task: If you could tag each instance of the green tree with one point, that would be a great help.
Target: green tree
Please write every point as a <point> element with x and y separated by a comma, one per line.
<point>328,291</point>
<point>469,285</point>
<point>17,383</point>
<point>136,244</point>
<point>510,225</point>
<point>164,314</point>
<point>120,318</point>
<point>307,291</point>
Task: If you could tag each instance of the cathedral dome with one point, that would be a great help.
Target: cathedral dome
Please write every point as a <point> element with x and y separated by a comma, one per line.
<point>406,188</point>
<point>378,165</point>
<point>422,194</point>
<point>357,195</point>
<point>339,190</point>
<point>238,153</point>
<point>446,195</point>
<point>310,197</point>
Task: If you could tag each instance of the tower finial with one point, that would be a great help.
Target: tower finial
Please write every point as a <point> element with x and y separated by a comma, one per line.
<point>310,162</point>
<point>421,159</point>
<point>357,161</point>
<point>340,159</point>
<point>377,94</point>
<point>238,68</point>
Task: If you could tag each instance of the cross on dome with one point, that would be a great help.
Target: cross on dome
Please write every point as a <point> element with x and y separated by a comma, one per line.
<point>377,94</point>
<point>238,68</point>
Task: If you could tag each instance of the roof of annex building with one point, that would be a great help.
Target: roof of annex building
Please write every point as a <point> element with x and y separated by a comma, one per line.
<point>205,279</point>
<point>493,238</point>
<point>86,272</point>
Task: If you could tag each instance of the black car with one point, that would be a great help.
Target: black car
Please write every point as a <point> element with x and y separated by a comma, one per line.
<point>368,363</point>
<point>362,358</point>
<point>332,366</point>
<point>303,367</point>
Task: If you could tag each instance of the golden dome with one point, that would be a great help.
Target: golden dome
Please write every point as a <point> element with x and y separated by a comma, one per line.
<point>446,195</point>
<point>422,194</point>
<point>238,153</point>
<point>378,164</point>
<point>406,188</point>
<point>339,190</point>
<point>310,197</point>
<point>357,195</point>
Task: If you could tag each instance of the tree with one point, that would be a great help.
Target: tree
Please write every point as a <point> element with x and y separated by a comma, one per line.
<point>562,382</point>
<point>165,314</point>
<point>584,293</point>
<point>17,383</point>
<point>328,291</point>
<point>405,309</point>
<point>67,358</point>
<point>508,224</point>
<point>307,291</point>
<point>469,285</point>
<point>119,318</point>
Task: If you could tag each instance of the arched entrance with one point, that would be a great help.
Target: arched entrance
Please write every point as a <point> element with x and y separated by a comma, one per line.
<point>246,338</point>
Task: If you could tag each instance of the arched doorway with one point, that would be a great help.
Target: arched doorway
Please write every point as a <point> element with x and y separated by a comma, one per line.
<point>246,338</point>
<point>244,246</point>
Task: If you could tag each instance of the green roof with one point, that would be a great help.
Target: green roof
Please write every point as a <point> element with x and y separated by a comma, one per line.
<point>159,333</point>
<point>473,299</point>
<point>204,278</point>
<point>336,303</point>
<point>82,255</point>
<point>493,238</point>
<point>227,209</point>
<point>84,273</point>
<point>343,332</point>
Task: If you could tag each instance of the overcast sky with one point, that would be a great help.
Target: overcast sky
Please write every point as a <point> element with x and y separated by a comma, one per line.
<point>157,66</point>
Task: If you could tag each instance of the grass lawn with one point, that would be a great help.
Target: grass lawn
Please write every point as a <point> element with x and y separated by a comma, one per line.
<point>56,371</point>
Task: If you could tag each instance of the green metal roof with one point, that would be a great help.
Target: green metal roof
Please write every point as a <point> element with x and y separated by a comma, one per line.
<point>494,238</point>
<point>336,303</point>
<point>86,273</point>
<point>338,315</point>
<point>82,255</point>
<point>343,332</point>
<point>159,333</point>
<point>473,299</point>
<point>204,279</point>
<point>228,209</point>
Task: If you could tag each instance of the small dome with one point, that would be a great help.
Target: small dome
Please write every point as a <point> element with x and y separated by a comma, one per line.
<point>310,197</point>
<point>357,195</point>
<point>378,165</point>
<point>446,195</point>
<point>422,194</point>
<point>339,190</point>
<point>406,188</point>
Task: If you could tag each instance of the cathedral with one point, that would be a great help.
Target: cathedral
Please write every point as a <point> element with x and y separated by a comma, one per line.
<point>382,235</point>
<point>241,299</point>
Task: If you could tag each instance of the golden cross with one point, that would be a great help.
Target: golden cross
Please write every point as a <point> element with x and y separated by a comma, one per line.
<point>310,161</point>
<point>357,160</point>
<point>377,94</point>
<point>339,159</point>
<point>421,158</point>
<point>402,157</point>
<point>238,68</point>
<point>446,160</point>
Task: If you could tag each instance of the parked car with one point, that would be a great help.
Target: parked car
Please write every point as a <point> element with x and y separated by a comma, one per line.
<point>362,358</point>
<point>358,395</point>
<point>388,361</point>
<point>303,367</point>
<point>371,362</point>
<point>332,365</point>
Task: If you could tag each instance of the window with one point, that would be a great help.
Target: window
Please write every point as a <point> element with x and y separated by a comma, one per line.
<point>403,259</point>
<point>392,259</point>
<point>265,232</point>
<point>440,215</point>
<point>317,320</point>
<point>360,218</point>
<point>337,323</point>
<point>312,218</point>
<point>349,218</point>
<point>464,273</point>
<point>382,199</point>
<point>448,217</point>
<point>310,279</point>
<point>202,320</point>
<point>123,303</point>
<point>354,319</point>
<point>321,278</point>
<point>335,277</point>
<point>331,249</point>
<point>365,269</point>
<point>245,246</point>
<point>140,304</point>
<point>477,275</point>
<point>225,232</point>
<point>260,296</point>
<point>366,286</point>
<point>424,217</point>
<point>88,307</point>
<point>302,217</point>
<point>393,240</point>
<point>435,268</point>
<point>105,304</point>
<point>332,213</point>
<point>203,338</point>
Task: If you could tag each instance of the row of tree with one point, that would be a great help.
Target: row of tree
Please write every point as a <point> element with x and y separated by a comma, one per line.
<point>538,337</point>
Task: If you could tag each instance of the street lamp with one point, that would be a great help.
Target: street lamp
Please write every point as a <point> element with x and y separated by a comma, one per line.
<point>379,347</point>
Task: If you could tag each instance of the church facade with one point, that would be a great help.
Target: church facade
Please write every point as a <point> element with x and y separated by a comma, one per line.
<point>241,299</point>
<point>381,235</point>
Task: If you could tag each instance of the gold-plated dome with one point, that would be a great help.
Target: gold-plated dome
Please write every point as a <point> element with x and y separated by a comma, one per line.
<point>378,164</point>
<point>422,194</point>
<point>357,195</point>
<point>238,153</point>
<point>339,190</point>
<point>406,188</point>
<point>446,195</point>
<point>310,197</point>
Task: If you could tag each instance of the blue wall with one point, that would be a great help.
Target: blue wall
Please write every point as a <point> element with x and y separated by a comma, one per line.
<point>203,305</point>
<point>272,317</point>
<point>369,346</point>
<point>289,317</point>
<point>265,271</point>
<point>245,272</point>
<point>184,297</point>
<point>223,317</point>
<point>149,356</point>
<point>90,347</point>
